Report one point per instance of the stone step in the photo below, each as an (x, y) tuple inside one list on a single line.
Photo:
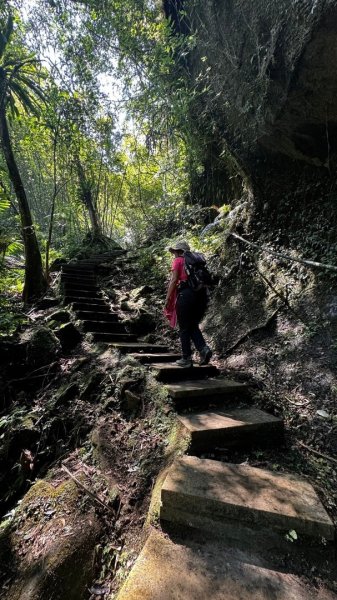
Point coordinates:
[(104, 326), (70, 299), (83, 294), (110, 253), (167, 569), (95, 315), (81, 270), (99, 258), (148, 358), (114, 337), (81, 276), (94, 263), (79, 282), (170, 372), (65, 277), (138, 347), (99, 306), (188, 393), (77, 287), (224, 428), (209, 495)]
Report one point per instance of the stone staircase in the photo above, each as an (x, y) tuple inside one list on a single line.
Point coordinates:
[(79, 286), (226, 523)]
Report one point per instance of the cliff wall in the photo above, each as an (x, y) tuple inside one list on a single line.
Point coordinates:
[(266, 114)]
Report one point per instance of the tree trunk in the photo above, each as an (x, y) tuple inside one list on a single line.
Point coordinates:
[(87, 199), (55, 192), (35, 281)]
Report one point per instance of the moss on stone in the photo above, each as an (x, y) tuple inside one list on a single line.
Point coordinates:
[(66, 492), (178, 442)]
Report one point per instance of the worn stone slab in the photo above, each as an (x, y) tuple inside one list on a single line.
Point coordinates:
[(113, 337), (198, 488), (96, 315), (149, 357), (83, 293), (232, 427), (78, 269), (221, 388), (74, 277), (138, 347), (98, 306), (104, 326), (171, 372), (70, 286), (93, 301), (166, 570)]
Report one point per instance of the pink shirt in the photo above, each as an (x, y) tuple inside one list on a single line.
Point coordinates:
[(178, 265)]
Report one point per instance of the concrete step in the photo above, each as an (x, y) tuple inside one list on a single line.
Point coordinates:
[(104, 326), (223, 428), (148, 358), (188, 393), (170, 372), (138, 347), (95, 315), (192, 569), (99, 306), (211, 495), (114, 337)]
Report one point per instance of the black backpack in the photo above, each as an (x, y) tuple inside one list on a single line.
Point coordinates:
[(198, 275)]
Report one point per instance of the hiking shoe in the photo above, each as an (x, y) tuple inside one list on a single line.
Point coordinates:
[(184, 362), (205, 355)]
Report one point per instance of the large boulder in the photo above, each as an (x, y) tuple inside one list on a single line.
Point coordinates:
[(48, 551), (69, 336), (42, 346)]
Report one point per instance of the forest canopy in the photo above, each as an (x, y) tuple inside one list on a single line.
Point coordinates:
[(93, 129)]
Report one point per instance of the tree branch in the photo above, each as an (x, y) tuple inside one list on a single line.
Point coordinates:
[(88, 492), (317, 452), (302, 261)]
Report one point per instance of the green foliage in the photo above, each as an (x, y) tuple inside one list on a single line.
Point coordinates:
[(133, 156), (19, 76), (11, 286)]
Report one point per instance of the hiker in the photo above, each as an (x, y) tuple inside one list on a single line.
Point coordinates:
[(188, 307)]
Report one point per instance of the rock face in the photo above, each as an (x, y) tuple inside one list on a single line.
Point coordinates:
[(55, 556), (266, 114)]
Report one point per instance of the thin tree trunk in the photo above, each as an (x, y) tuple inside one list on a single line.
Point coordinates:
[(55, 192), (87, 199), (35, 281)]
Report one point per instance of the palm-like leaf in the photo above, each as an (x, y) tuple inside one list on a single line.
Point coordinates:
[(19, 77)]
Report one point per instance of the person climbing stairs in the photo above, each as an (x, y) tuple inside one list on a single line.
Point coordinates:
[(224, 525)]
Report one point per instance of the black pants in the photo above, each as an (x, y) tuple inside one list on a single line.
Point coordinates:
[(191, 307)]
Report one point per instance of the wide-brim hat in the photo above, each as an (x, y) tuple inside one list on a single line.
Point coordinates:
[(182, 245)]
